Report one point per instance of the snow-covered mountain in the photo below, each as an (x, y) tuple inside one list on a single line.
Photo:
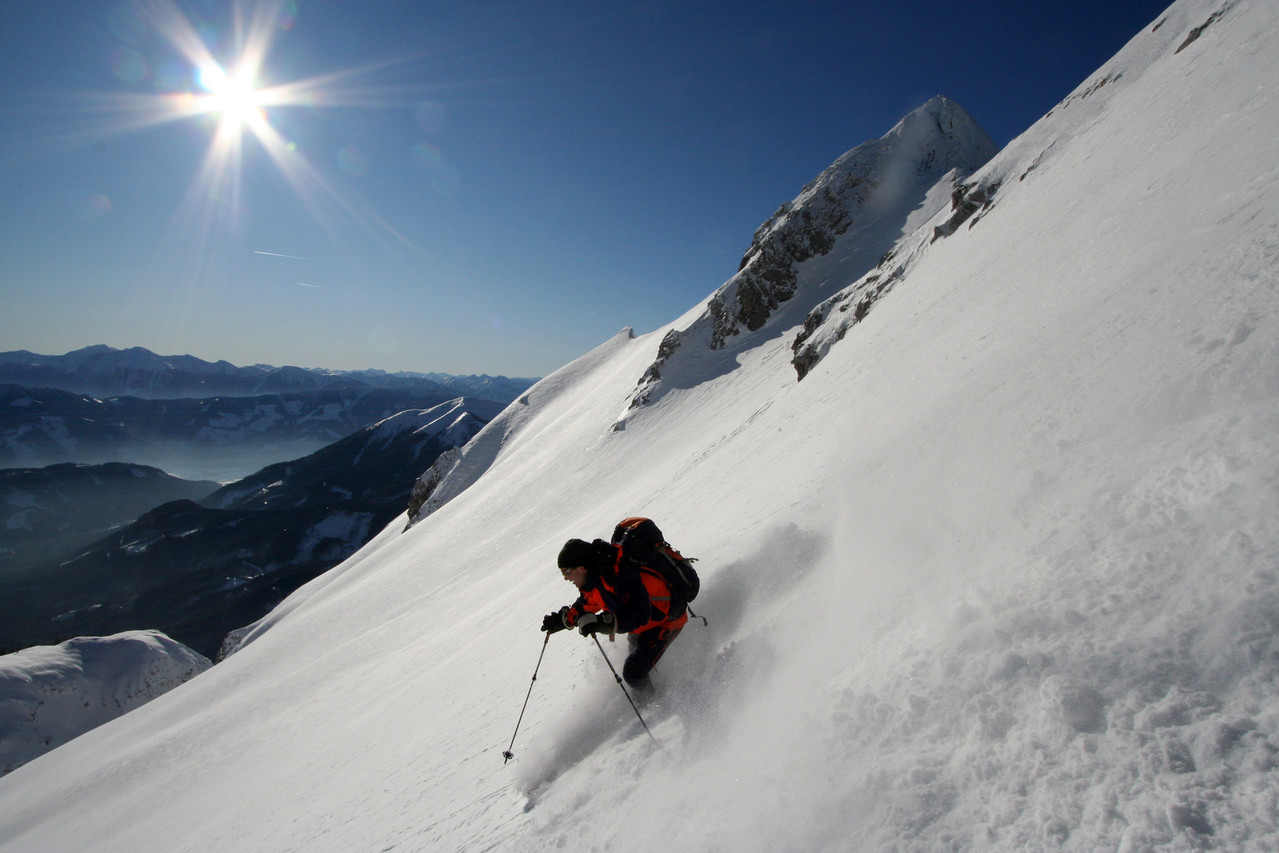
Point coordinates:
[(221, 438), (52, 694), (999, 573), (48, 512), (103, 371), (846, 220), (198, 571)]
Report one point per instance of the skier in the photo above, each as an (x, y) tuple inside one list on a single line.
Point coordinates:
[(618, 594)]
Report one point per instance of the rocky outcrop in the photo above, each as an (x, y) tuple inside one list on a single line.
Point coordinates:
[(860, 205), (965, 201), (850, 307), (798, 231), (430, 480)]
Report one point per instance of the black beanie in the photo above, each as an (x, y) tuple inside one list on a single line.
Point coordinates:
[(576, 553)]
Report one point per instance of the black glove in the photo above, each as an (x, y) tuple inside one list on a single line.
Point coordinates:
[(553, 622), (603, 623)]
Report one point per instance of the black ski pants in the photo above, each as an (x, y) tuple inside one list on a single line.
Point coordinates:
[(646, 649)]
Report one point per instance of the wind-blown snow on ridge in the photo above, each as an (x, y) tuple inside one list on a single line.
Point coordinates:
[(998, 574)]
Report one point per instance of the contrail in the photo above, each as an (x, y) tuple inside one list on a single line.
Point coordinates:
[(304, 284), (300, 258), (321, 261)]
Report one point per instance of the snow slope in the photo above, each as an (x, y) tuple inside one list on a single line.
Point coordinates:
[(1000, 573)]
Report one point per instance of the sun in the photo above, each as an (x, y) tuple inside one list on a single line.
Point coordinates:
[(234, 93), (234, 97)]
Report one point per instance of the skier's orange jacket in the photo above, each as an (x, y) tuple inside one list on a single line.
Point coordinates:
[(635, 594)]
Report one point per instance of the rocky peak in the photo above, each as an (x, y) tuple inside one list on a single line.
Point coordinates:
[(867, 194)]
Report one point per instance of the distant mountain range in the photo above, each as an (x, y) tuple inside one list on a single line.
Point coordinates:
[(221, 438), (52, 511), (199, 569), (103, 371), (96, 537)]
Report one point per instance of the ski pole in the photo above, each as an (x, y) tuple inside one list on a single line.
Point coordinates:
[(507, 755), (624, 690)]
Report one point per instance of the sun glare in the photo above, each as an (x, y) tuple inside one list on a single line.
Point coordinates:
[(233, 97), (233, 94)]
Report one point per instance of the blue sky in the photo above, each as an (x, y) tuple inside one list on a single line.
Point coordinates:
[(478, 187)]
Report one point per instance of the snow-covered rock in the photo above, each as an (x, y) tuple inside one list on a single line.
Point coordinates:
[(856, 210), (52, 694)]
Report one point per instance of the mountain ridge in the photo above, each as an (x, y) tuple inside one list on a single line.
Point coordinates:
[(856, 209), (218, 438), (202, 567), (49, 511), (103, 371)]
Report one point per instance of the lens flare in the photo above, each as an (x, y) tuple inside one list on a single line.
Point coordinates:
[(93, 206)]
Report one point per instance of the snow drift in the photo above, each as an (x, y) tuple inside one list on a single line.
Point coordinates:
[(998, 574)]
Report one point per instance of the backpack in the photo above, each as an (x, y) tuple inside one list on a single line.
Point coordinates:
[(642, 541)]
